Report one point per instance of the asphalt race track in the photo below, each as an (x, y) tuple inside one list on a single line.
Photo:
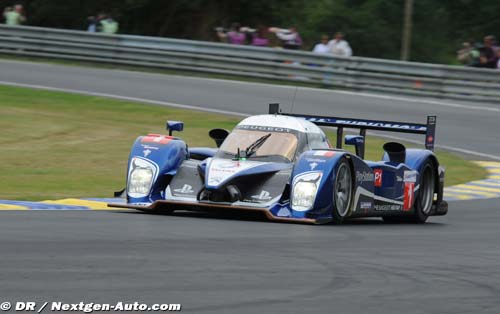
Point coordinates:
[(244, 264)]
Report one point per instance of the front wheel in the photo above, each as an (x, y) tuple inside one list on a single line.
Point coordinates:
[(342, 192)]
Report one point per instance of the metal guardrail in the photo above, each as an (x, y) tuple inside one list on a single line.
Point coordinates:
[(355, 73)]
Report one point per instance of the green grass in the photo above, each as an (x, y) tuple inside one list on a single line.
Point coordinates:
[(58, 145)]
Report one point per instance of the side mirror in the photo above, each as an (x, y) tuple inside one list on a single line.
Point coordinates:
[(218, 135), (174, 126), (358, 142)]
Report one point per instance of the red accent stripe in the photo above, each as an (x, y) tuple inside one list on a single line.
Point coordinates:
[(409, 192), (378, 177), (157, 138)]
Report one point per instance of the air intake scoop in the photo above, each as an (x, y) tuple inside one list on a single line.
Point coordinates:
[(396, 152)]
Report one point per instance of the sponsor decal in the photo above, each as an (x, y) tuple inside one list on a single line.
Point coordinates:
[(369, 123), (365, 205), (387, 207), (146, 152), (217, 175), (378, 177), (229, 165), (324, 153), (410, 176), (408, 196), (399, 179), (150, 147), (283, 212), (264, 128), (263, 196), (313, 165), (364, 176), (140, 204), (221, 170), (316, 160), (186, 189), (156, 138)]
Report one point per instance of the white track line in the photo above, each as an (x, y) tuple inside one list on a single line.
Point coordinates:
[(163, 103)]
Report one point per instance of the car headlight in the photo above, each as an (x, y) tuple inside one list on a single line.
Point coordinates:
[(305, 187), (140, 179)]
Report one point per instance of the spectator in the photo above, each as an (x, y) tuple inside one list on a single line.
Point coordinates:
[(322, 47), (468, 55), (260, 38), (14, 16), (498, 58), (109, 25), (6, 13), (235, 36), (92, 24), (290, 37), (487, 55), (339, 47), (493, 42)]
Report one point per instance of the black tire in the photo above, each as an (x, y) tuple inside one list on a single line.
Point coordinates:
[(342, 192), (425, 197)]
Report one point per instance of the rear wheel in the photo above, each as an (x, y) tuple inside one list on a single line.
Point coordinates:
[(423, 203), (342, 192)]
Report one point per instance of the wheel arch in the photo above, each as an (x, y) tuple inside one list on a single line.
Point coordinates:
[(417, 158)]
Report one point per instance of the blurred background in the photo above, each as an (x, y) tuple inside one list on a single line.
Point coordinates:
[(373, 28)]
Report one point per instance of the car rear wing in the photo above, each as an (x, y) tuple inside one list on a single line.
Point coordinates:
[(429, 129)]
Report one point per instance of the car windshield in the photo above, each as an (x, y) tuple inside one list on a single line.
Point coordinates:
[(275, 144)]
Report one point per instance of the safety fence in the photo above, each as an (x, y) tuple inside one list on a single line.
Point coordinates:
[(354, 73)]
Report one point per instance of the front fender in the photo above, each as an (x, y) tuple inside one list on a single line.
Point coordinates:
[(327, 162), (162, 153), (324, 162)]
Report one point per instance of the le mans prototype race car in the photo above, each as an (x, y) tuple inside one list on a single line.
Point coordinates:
[(284, 166)]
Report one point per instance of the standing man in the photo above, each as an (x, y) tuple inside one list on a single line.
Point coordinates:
[(109, 25), (235, 36), (322, 47), (92, 24), (14, 16), (260, 37), (290, 37), (488, 54), (339, 47)]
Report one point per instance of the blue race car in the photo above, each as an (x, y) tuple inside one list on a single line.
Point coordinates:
[(284, 166)]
